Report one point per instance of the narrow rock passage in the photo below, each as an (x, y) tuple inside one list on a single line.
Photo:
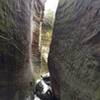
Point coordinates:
[(43, 89)]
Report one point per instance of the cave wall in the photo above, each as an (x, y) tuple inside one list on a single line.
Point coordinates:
[(16, 72), (74, 58)]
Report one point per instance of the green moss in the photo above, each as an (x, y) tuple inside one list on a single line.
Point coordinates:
[(98, 94)]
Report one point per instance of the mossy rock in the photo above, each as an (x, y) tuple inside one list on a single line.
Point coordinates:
[(98, 94)]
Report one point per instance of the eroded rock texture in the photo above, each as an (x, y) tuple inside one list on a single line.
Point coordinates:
[(38, 13), (15, 49), (74, 59)]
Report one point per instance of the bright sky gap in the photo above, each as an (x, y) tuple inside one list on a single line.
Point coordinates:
[(52, 5)]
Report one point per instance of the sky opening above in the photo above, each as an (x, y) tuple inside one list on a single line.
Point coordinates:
[(52, 5)]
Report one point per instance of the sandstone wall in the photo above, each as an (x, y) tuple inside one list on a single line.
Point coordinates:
[(74, 59)]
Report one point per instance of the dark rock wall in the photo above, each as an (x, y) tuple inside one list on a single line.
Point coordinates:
[(15, 49), (74, 58)]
